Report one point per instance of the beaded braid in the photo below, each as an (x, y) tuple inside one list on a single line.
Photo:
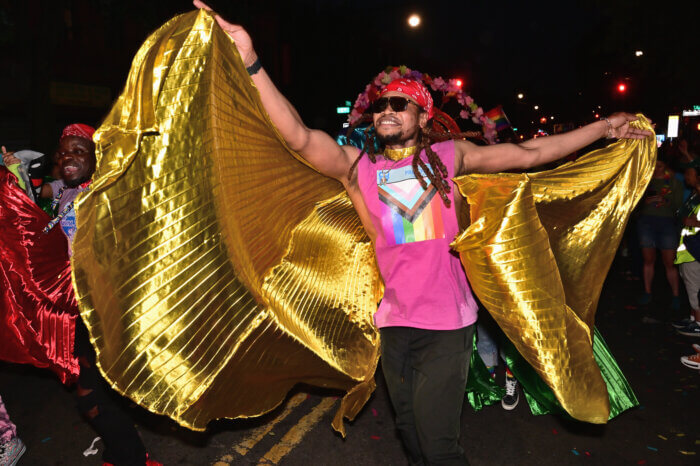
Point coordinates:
[(370, 138), (439, 181)]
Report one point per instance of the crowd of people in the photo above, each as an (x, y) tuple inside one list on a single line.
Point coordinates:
[(424, 352), (666, 226)]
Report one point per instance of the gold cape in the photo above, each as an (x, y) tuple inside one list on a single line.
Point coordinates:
[(213, 268), (538, 250)]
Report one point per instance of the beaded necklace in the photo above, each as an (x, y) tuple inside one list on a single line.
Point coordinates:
[(56, 201)]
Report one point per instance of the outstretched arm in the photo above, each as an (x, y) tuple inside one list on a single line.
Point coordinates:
[(539, 151), (317, 147)]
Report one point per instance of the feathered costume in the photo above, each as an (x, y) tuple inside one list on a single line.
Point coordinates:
[(215, 269)]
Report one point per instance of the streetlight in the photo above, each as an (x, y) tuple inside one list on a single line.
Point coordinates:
[(537, 107), (521, 95), (414, 20), (638, 53)]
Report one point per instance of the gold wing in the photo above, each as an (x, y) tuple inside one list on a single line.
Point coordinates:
[(213, 268), (537, 253)]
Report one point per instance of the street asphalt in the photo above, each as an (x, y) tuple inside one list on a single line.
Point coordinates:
[(663, 430)]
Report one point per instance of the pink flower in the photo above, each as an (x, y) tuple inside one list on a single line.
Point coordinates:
[(490, 135), (464, 114), (438, 84), (468, 100), (478, 112), (394, 75), (355, 115), (362, 101)]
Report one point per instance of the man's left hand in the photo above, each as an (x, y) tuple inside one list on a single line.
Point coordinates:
[(621, 128)]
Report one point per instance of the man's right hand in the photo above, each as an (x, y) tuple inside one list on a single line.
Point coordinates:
[(244, 43), (316, 147), (8, 158)]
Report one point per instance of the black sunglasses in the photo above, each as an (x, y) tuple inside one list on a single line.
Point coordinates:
[(398, 104)]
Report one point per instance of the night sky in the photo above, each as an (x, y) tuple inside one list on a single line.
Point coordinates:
[(566, 57)]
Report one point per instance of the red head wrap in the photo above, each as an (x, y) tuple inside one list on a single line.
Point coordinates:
[(78, 129), (413, 89)]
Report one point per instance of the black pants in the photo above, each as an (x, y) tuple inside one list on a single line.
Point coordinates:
[(123, 445), (426, 374)]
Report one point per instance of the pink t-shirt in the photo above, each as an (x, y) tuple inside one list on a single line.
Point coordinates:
[(425, 284)]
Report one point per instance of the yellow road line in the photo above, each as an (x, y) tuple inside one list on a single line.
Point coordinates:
[(258, 434), (292, 438)]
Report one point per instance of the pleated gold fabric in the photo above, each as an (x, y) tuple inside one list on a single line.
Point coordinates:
[(537, 251), (214, 269)]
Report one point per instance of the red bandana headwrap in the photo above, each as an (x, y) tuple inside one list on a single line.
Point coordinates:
[(414, 89), (78, 129)]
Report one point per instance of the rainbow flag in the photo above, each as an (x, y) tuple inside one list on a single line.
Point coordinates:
[(498, 116)]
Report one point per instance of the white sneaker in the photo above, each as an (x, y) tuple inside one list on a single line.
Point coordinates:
[(511, 398)]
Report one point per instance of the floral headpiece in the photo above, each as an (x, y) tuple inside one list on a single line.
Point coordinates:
[(449, 90)]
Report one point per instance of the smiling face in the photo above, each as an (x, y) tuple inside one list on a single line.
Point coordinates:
[(399, 129), (76, 160)]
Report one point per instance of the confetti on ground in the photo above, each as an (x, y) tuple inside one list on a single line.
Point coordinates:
[(588, 453), (697, 442), (45, 439), (92, 449), (662, 437), (687, 453), (575, 452), (652, 448), (375, 437), (642, 462), (554, 431), (374, 412), (680, 435)]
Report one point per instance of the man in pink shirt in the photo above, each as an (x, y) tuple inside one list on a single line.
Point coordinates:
[(405, 200)]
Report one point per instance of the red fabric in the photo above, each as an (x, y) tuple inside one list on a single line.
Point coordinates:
[(415, 90), (38, 310), (78, 129)]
